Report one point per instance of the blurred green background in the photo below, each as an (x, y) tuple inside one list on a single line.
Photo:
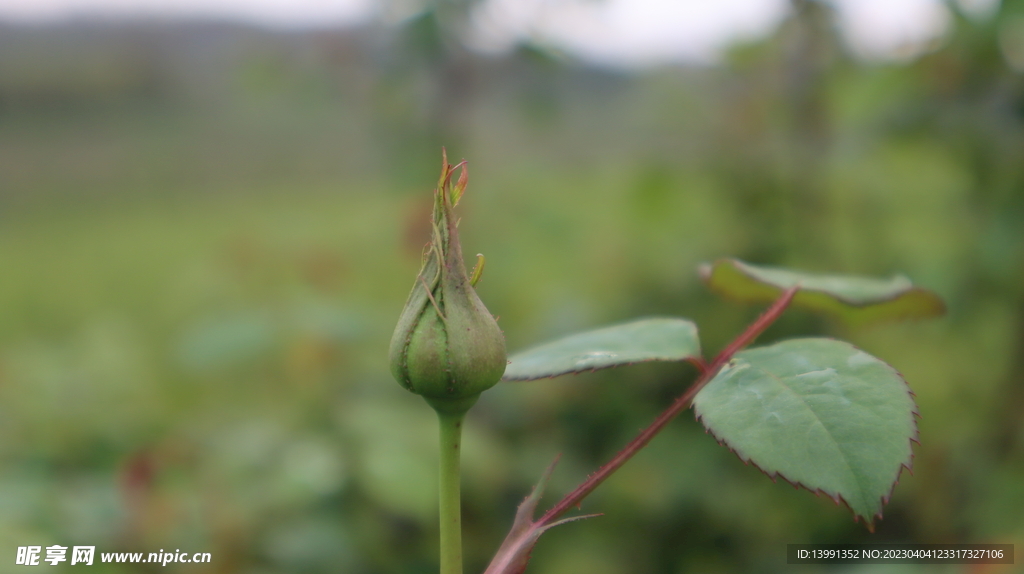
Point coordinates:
[(208, 230)]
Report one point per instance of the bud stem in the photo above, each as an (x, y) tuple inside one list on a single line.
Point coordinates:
[(451, 511)]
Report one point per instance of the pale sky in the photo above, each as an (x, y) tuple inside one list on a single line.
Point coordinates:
[(616, 32)]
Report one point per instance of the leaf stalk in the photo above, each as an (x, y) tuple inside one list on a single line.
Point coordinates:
[(574, 498)]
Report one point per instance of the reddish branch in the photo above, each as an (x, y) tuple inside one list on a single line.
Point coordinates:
[(575, 497)]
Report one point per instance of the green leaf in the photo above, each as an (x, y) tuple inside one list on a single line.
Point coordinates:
[(653, 339), (854, 300), (818, 412)]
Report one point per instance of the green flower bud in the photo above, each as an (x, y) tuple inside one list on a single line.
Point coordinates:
[(447, 347)]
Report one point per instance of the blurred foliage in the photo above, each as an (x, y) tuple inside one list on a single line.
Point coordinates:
[(207, 233)]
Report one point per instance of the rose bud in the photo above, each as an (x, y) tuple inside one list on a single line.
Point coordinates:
[(446, 347)]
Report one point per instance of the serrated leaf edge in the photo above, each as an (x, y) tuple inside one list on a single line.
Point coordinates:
[(836, 497), (692, 359), (706, 270), (595, 369)]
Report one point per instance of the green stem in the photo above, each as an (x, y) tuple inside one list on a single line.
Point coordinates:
[(451, 511)]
